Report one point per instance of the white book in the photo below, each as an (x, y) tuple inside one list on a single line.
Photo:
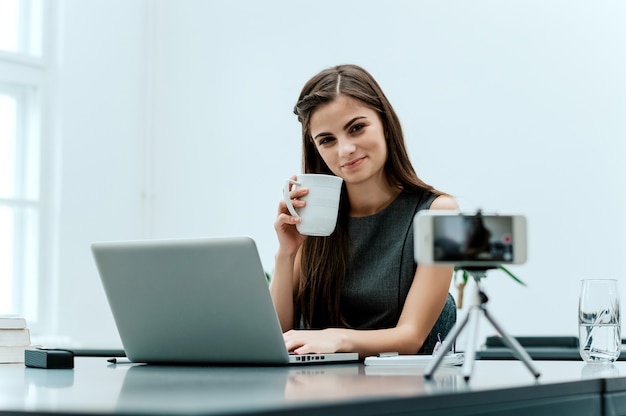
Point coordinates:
[(12, 322), (14, 337), (10, 355), (413, 360)]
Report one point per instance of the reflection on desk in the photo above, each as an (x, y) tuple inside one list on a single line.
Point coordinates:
[(265, 388)]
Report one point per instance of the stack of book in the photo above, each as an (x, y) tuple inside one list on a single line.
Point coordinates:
[(14, 339)]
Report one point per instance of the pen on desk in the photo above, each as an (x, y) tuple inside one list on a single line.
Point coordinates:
[(387, 354), (121, 360)]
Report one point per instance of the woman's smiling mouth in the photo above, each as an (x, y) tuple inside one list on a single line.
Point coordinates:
[(353, 163)]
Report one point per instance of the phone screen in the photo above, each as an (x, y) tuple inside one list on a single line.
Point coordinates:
[(467, 238)]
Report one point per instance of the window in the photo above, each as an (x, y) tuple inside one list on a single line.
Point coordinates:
[(23, 81), (20, 26), (19, 198)]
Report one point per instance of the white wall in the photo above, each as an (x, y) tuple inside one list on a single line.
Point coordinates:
[(101, 103), (512, 106)]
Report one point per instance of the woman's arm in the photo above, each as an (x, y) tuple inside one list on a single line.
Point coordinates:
[(283, 285), (285, 278)]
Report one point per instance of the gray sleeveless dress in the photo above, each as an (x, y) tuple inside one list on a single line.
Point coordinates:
[(382, 267)]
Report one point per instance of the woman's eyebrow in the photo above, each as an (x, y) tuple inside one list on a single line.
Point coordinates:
[(345, 127), (349, 123), (322, 135)]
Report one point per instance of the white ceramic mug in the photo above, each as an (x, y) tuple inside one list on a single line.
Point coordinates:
[(319, 216)]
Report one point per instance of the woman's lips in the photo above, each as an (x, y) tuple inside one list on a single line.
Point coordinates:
[(353, 163)]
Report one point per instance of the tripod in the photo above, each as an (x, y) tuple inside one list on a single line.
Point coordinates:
[(477, 308)]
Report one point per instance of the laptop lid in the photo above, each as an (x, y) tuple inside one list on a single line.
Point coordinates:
[(194, 301)]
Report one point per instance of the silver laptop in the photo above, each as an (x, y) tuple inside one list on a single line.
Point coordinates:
[(195, 301)]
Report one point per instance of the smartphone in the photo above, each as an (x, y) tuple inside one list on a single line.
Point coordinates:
[(469, 239)]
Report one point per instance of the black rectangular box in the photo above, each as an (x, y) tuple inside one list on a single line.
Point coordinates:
[(42, 358)]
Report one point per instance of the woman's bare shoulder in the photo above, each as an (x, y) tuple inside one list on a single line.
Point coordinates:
[(445, 202)]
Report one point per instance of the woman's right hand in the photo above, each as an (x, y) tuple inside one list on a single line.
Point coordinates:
[(289, 238)]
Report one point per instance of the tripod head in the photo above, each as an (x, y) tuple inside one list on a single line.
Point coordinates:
[(477, 272)]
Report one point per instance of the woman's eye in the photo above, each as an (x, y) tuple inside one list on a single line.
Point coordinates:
[(325, 140), (357, 127)]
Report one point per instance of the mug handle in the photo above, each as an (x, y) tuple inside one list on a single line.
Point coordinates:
[(286, 195)]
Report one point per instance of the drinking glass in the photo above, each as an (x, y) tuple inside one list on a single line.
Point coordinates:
[(599, 323)]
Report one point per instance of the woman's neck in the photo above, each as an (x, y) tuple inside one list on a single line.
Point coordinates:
[(368, 199)]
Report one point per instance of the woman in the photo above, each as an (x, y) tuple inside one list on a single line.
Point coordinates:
[(359, 289)]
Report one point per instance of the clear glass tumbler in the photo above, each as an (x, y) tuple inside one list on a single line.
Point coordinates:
[(599, 323)]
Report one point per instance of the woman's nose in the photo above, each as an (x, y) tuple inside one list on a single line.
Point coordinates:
[(346, 147)]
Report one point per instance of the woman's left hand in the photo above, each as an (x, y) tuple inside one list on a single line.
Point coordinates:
[(316, 341)]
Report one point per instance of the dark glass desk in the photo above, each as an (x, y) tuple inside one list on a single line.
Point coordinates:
[(496, 387)]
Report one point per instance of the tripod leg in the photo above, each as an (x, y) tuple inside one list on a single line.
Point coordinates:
[(470, 352), (514, 345), (446, 346)]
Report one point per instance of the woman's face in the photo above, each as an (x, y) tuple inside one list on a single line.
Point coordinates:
[(350, 138)]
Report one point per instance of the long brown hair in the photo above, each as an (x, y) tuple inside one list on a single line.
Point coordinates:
[(324, 259)]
